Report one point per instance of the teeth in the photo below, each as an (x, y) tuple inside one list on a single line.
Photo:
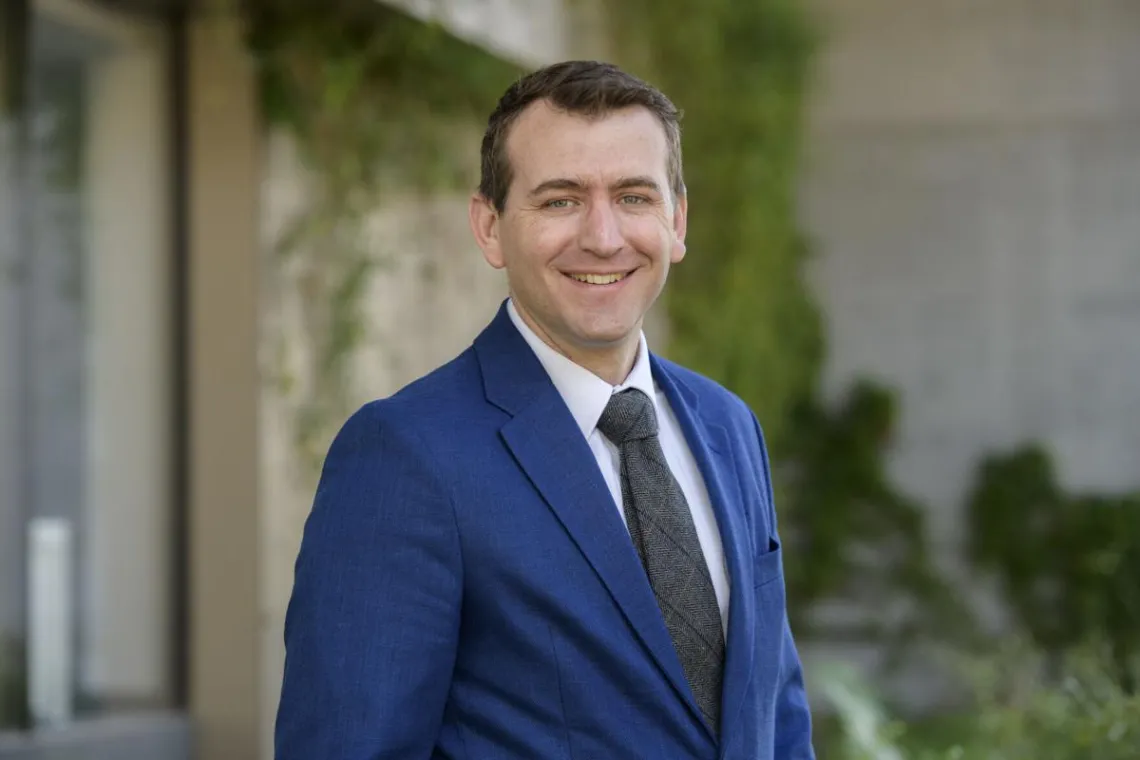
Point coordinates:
[(598, 279)]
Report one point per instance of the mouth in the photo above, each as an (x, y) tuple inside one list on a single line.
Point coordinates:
[(598, 279)]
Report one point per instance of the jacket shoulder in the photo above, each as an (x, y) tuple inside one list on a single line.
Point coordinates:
[(715, 399), (430, 402)]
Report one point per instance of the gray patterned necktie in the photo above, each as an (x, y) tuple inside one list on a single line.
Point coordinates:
[(663, 532)]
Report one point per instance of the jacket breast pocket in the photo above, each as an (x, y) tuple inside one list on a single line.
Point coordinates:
[(768, 566)]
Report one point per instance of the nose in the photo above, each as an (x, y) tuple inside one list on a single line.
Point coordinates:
[(600, 232)]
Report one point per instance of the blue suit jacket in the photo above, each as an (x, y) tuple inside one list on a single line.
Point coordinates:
[(466, 588)]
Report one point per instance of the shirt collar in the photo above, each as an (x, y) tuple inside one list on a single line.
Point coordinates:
[(585, 394)]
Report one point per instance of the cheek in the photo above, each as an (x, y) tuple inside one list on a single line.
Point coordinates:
[(542, 240), (650, 236)]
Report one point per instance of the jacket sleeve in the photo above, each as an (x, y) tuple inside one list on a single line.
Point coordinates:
[(793, 739), (372, 624)]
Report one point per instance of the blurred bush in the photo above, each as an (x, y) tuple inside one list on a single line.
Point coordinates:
[(864, 730), (851, 534), (1068, 565), (1026, 706), (1034, 707)]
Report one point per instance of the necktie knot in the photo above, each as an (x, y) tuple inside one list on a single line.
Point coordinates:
[(628, 416)]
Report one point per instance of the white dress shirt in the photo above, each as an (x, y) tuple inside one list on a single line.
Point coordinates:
[(587, 395)]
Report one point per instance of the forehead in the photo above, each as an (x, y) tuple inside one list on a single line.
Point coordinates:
[(547, 142)]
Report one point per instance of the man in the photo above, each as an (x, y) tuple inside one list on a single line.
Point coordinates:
[(558, 545)]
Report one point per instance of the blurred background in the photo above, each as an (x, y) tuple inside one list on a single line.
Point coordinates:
[(914, 250)]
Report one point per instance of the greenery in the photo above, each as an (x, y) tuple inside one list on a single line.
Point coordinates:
[(1067, 564), (13, 692), (740, 310), (738, 307), (1023, 706), (1081, 714), (380, 105), (851, 534)]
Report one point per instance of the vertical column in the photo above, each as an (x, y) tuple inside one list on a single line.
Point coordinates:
[(224, 167), (127, 605)]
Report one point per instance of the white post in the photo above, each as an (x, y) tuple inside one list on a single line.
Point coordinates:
[(51, 627)]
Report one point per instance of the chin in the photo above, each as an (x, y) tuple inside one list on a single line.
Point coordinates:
[(606, 335)]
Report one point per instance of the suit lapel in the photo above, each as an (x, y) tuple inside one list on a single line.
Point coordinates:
[(550, 449), (709, 443)]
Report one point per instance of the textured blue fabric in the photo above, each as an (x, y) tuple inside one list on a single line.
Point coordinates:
[(465, 588)]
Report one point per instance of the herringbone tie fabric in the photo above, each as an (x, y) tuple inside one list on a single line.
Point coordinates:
[(663, 532)]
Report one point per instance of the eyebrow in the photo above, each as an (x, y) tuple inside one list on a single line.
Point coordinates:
[(625, 183)]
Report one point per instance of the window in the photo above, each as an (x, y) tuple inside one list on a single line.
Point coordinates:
[(85, 372)]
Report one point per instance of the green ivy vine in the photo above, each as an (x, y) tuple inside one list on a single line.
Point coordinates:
[(738, 307), (741, 312), (378, 103)]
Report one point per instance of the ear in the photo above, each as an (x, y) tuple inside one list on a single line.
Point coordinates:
[(484, 220), (680, 227)]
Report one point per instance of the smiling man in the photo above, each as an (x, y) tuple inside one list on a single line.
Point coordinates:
[(558, 545)]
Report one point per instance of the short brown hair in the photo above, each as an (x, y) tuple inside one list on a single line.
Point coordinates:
[(586, 88)]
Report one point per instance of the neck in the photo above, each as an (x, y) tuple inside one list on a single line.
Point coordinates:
[(611, 362)]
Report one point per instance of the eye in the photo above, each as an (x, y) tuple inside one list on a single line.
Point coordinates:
[(634, 199), (558, 203)]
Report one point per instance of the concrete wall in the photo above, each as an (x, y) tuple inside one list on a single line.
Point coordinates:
[(432, 293), (973, 190), (526, 31), (521, 30)]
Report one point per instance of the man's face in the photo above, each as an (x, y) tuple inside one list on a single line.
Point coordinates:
[(590, 225)]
